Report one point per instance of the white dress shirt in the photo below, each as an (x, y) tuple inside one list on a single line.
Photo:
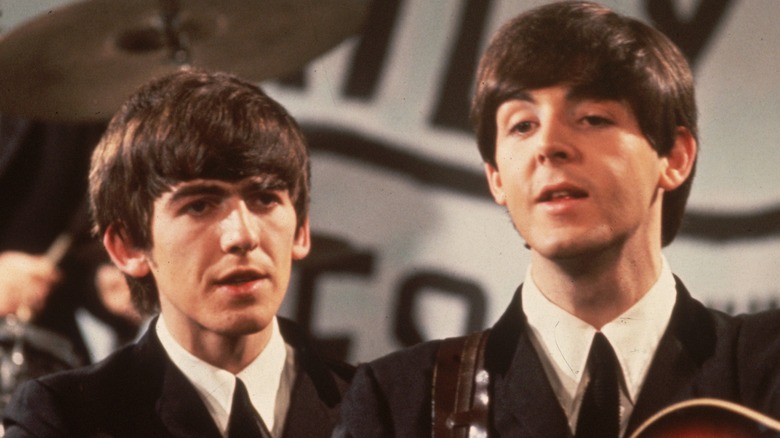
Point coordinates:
[(563, 342), (215, 385)]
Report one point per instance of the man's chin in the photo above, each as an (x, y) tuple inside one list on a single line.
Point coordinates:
[(245, 326), (568, 250)]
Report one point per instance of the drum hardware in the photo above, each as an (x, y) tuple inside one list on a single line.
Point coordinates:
[(80, 62), (27, 351), (11, 362)]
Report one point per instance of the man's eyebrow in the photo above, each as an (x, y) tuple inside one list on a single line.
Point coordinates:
[(582, 93), (266, 183), (196, 190), (523, 95)]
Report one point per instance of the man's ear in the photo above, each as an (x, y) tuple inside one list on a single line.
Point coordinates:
[(495, 183), (679, 161), (126, 256), (302, 241)]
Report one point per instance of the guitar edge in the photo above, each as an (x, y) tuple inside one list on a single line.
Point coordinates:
[(708, 418)]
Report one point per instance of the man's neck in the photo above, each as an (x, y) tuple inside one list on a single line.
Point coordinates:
[(600, 287), (230, 353)]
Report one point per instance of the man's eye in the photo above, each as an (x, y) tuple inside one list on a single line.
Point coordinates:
[(597, 121), (267, 199), (523, 127), (197, 208)]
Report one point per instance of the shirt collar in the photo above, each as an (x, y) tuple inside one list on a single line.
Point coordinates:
[(565, 339), (216, 386)]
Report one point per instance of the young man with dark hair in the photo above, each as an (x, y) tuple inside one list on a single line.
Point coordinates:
[(200, 192), (586, 122)]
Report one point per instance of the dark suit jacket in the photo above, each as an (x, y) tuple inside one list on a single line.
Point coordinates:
[(139, 392), (702, 353)]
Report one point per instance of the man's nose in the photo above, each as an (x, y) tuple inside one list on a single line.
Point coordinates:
[(556, 144), (240, 230)]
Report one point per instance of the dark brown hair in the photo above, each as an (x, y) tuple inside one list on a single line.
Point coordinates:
[(600, 54)]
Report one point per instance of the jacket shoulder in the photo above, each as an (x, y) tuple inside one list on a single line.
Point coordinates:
[(102, 377), (391, 395), (76, 400), (418, 360)]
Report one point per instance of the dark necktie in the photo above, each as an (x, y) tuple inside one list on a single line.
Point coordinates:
[(599, 414), (244, 421)]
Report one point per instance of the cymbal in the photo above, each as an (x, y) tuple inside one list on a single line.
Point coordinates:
[(81, 61)]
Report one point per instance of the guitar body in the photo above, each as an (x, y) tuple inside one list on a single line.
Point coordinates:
[(708, 418)]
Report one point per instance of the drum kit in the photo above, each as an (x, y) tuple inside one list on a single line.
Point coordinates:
[(79, 62), (26, 352)]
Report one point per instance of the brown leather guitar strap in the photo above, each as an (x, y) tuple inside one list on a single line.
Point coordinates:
[(460, 387)]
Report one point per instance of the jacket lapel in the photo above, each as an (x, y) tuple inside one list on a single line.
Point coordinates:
[(181, 409), (687, 343), (524, 403), (316, 394), (177, 405), (308, 416)]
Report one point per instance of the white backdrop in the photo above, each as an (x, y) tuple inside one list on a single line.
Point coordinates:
[(410, 245)]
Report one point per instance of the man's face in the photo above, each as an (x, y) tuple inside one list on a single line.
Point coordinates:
[(222, 253), (577, 175)]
